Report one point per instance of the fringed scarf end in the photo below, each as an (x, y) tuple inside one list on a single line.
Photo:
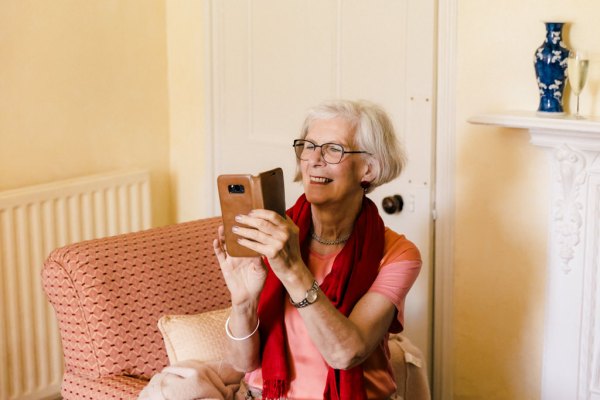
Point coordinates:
[(274, 389)]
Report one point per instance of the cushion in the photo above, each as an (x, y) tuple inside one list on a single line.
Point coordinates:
[(195, 337), (409, 369)]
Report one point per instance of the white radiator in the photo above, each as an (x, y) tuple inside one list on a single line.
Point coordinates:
[(34, 221)]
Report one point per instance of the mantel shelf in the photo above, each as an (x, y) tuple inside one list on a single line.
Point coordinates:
[(590, 126)]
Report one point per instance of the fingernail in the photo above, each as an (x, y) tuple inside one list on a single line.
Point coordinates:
[(235, 229), (238, 218)]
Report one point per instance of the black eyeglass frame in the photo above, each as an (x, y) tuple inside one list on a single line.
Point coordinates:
[(344, 151)]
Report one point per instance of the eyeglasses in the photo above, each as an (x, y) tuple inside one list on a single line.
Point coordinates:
[(332, 153)]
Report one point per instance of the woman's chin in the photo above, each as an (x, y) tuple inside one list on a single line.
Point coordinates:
[(316, 196), (313, 199)]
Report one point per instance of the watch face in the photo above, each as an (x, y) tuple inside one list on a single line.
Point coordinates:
[(311, 296)]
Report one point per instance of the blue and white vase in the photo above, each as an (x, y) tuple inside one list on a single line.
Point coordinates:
[(550, 69)]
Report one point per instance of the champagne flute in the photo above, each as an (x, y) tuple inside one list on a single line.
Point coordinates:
[(577, 68)]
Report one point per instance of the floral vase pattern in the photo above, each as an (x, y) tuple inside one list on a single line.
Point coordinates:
[(550, 69)]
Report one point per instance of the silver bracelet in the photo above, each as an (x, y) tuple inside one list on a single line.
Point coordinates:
[(230, 335)]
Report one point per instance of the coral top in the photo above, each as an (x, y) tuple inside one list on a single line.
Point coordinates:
[(398, 271)]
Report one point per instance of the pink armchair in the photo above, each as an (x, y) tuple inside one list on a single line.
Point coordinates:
[(109, 293)]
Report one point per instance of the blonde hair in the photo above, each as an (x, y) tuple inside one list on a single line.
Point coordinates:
[(373, 132)]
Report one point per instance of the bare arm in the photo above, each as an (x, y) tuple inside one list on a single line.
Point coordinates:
[(347, 342), (245, 278), (244, 355), (343, 342)]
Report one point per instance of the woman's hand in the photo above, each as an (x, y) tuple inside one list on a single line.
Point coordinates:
[(244, 276), (273, 236)]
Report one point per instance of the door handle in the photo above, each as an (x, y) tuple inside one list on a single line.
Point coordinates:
[(392, 204)]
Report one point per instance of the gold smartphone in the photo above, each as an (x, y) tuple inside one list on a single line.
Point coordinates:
[(241, 193)]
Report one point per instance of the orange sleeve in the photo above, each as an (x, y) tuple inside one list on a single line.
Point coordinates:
[(398, 248)]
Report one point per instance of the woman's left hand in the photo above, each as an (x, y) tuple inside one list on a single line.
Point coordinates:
[(273, 236)]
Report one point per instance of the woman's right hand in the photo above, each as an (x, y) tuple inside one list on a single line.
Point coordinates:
[(244, 276)]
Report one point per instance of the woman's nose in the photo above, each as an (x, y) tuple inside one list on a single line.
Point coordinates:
[(317, 155)]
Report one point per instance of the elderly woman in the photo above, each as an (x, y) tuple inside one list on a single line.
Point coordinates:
[(310, 319)]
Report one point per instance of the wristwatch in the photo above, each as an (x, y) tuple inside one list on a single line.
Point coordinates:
[(311, 296)]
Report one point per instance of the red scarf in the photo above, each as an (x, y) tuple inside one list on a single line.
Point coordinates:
[(354, 270)]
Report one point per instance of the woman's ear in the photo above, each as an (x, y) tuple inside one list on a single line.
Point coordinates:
[(369, 171)]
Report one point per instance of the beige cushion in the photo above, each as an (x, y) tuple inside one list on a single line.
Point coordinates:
[(194, 337), (409, 369)]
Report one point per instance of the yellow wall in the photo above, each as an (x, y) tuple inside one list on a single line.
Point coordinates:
[(185, 38), (502, 194), (83, 89)]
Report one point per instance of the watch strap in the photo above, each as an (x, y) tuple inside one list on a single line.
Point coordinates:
[(306, 301)]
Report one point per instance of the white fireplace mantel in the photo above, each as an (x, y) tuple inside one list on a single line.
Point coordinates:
[(571, 357)]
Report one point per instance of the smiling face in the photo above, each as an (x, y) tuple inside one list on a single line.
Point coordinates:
[(333, 184)]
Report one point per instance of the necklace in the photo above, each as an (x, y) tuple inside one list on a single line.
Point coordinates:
[(326, 242)]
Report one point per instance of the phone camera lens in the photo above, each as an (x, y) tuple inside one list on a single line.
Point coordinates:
[(236, 188)]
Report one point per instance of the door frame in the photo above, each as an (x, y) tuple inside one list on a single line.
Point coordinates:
[(444, 183), (445, 160)]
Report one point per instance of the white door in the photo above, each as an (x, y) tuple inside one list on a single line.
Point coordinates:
[(271, 60)]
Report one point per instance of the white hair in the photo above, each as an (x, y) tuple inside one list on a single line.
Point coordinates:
[(373, 133)]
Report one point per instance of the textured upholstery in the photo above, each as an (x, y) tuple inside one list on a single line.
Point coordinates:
[(109, 293), (109, 387), (195, 336)]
